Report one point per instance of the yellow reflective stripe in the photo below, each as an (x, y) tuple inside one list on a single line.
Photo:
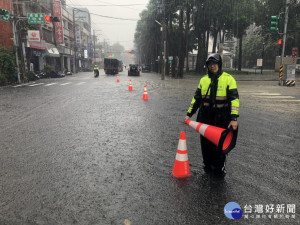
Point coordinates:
[(191, 106), (235, 105)]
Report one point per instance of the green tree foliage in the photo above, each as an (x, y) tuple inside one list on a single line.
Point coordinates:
[(217, 20), (7, 66), (148, 34)]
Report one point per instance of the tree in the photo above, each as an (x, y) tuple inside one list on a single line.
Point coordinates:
[(7, 66)]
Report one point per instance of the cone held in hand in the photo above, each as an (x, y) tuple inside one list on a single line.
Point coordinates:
[(181, 167), (145, 95), (224, 139), (130, 86)]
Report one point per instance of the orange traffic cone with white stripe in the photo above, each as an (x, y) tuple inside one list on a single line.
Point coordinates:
[(181, 167), (145, 95), (118, 80), (130, 86), (224, 139)]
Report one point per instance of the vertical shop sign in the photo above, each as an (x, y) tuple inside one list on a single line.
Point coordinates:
[(59, 32)]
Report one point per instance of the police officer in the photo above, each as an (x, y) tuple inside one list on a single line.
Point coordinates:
[(218, 101), (96, 71)]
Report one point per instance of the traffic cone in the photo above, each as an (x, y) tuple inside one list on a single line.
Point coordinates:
[(145, 95), (224, 139), (181, 167), (130, 86), (118, 80)]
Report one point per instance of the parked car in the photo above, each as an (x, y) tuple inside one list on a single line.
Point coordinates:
[(146, 68), (133, 70)]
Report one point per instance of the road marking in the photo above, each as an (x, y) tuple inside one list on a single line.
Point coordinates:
[(20, 85), (265, 93), (32, 85), (248, 92), (50, 84), (81, 83), (127, 222), (66, 83), (274, 97), (288, 100)]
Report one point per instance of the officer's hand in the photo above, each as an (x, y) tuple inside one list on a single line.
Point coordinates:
[(186, 118), (233, 124)]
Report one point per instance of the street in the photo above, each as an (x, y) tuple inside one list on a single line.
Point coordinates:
[(85, 150)]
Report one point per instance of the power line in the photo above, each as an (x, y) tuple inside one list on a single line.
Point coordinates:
[(116, 5), (111, 17), (116, 18), (110, 5)]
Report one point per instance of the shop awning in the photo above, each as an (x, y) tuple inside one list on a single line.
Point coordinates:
[(51, 50), (37, 45)]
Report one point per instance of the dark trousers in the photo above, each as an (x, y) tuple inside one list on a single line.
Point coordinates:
[(213, 158)]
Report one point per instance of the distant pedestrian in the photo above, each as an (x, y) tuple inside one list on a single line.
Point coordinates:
[(218, 101)]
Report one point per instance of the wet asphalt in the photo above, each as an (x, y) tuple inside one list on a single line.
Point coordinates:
[(85, 150)]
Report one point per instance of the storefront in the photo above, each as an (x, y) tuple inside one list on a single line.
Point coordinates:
[(52, 57)]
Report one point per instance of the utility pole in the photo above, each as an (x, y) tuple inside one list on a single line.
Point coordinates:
[(94, 48), (164, 32), (75, 43), (15, 46), (14, 24), (284, 35)]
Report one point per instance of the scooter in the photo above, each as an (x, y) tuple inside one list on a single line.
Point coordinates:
[(96, 73)]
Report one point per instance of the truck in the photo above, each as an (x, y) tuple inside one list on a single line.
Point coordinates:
[(111, 66), (120, 66)]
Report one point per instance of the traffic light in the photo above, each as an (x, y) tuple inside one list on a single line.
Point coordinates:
[(279, 42), (3, 12), (51, 19), (274, 23)]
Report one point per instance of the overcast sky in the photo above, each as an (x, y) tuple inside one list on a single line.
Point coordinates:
[(113, 30)]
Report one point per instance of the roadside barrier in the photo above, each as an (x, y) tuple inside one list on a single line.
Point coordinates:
[(145, 95), (224, 139), (130, 86)]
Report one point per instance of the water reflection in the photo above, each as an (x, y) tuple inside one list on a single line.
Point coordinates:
[(202, 196)]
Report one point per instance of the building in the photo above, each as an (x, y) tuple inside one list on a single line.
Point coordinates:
[(6, 33), (40, 44), (83, 39)]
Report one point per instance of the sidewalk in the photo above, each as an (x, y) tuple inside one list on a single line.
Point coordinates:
[(266, 76)]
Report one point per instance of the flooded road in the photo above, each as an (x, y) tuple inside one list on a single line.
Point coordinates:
[(80, 150)]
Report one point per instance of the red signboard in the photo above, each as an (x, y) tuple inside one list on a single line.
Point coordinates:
[(34, 35), (59, 31), (294, 52)]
